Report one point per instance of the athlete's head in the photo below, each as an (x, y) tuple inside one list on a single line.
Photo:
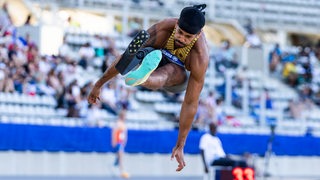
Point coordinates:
[(189, 25)]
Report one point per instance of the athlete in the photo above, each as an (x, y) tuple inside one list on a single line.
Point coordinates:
[(176, 60), (119, 140)]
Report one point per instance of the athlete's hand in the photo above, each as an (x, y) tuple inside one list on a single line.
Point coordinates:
[(177, 153), (94, 95)]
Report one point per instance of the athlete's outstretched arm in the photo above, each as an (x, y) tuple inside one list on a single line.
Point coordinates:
[(188, 111), (110, 73), (190, 104)]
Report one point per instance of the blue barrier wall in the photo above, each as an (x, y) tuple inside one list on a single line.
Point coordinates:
[(84, 139)]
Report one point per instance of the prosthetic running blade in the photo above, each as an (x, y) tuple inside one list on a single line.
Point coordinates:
[(129, 60)]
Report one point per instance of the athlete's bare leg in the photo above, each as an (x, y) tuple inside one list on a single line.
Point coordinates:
[(165, 76)]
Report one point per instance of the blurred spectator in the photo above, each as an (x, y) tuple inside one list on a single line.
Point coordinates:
[(288, 57), (134, 26), (275, 57), (109, 98), (305, 92), (136, 1), (6, 81), (44, 64), (64, 49), (87, 54), (54, 82), (6, 25), (13, 52), (306, 70), (25, 42), (123, 95), (61, 101), (119, 141), (3, 75), (212, 152), (110, 47), (309, 131), (83, 105), (32, 53), (20, 77), (98, 45), (28, 20), (105, 64), (202, 117), (253, 40), (269, 101), (226, 57), (210, 147), (220, 114), (248, 26), (294, 109), (73, 97), (72, 23), (290, 74), (211, 106), (24, 70), (3, 52)]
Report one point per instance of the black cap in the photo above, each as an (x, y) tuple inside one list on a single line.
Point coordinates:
[(192, 19)]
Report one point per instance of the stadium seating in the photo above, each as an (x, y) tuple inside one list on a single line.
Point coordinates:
[(22, 108)]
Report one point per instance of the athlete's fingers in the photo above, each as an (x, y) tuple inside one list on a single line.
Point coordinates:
[(173, 154), (181, 162)]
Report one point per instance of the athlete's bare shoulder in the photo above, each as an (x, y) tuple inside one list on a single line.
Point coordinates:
[(201, 46), (199, 54), (160, 32)]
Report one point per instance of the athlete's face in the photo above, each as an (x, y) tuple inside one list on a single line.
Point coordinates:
[(182, 38)]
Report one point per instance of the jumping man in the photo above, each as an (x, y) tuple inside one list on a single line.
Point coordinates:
[(176, 58)]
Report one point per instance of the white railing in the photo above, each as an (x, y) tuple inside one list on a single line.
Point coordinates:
[(276, 14), (264, 13)]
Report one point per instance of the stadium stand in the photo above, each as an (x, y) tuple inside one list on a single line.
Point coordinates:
[(256, 83), (84, 52)]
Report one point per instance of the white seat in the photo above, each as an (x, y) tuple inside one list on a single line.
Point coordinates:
[(2, 108), (151, 96), (9, 109), (24, 99), (165, 107), (16, 109), (15, 98), (5, 119), (2, 97), (30, 110)]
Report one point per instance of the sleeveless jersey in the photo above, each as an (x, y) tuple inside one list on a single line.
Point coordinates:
[(181, 53)]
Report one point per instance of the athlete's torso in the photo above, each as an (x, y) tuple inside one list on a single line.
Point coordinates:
[(163, 31)]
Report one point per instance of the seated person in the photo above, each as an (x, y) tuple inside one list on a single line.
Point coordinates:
[(212, 152)]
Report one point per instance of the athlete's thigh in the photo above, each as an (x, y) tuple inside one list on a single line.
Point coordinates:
[(176, 74)]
